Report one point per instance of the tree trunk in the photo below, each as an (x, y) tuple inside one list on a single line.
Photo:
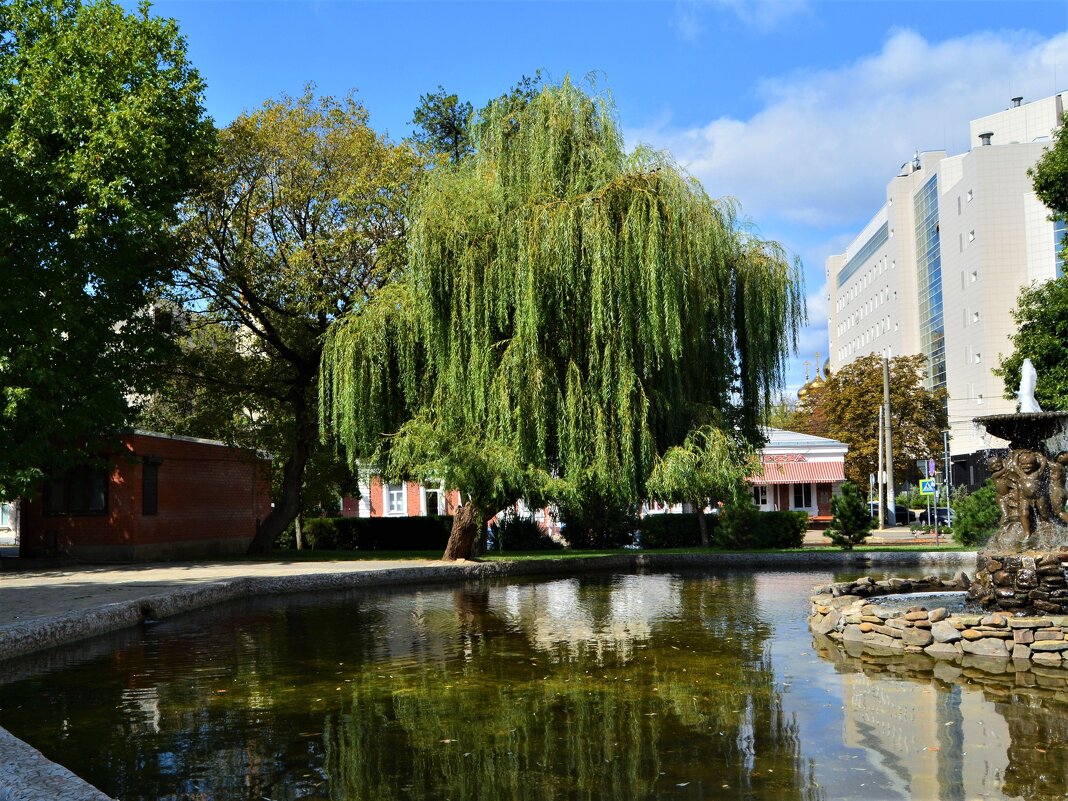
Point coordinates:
[(467, 524), (702, 524), (287, 507), (300, 533)]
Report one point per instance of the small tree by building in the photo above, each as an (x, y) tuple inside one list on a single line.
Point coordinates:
[(977, 516), (852, 520)]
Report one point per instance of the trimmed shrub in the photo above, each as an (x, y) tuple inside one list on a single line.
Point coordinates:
[(747, 528), (520, 533), (377, 533), (674, 530)]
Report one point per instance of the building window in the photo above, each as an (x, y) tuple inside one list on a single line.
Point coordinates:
[(760, 495), (394, 499), (802, 496), (7, 515), (78, 491), (150, 485)]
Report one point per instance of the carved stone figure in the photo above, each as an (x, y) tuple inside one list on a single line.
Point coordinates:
[(1058, 493)]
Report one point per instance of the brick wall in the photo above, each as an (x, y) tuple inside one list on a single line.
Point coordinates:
[(210, 499)]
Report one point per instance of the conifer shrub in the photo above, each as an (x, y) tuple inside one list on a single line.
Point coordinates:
[(851, 522)]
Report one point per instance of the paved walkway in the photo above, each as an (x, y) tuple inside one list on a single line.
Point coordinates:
[(29, 594)]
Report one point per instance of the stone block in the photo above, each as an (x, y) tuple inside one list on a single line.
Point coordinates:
[(827, 623), (888, 631), (853, 633), (1029, 622), (842, 601), (988, 646), (937, 614), (898, 623), (884, 640), (917, 615), (918, 637), (1050, 633), (995, 620), (1023, 636), (1046, 658), (942, 650), (1049, 646), (945, 632), (1021, 652)]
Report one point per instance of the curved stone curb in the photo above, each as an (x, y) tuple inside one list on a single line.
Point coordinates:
[(26, 775)]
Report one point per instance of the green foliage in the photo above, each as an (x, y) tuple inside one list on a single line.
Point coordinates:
[(743, 527), (846, 408), (377, 533), (513, 532), (299, 221), (709, 465), (568, 304), (673, 530), (596, 516), (1041, 317), (442, 126), (102, 133), (977, 516), (1050, 177), (851, 522)]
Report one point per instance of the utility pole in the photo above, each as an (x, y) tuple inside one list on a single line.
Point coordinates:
[(880, 476), (891, 510), (949, 467)]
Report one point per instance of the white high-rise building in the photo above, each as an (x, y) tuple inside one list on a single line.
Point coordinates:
[(939, 267)]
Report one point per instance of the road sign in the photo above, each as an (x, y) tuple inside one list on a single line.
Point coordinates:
[(928, 487), (931, 467)]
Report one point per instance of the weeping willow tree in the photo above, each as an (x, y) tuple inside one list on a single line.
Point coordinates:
[(570, 311)]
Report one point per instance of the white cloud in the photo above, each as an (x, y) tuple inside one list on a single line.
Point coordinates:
[(826, 142)]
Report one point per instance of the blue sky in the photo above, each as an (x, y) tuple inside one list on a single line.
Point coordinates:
[(800, 110)]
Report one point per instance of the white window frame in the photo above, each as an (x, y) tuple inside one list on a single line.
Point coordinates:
[(760, 495), (388, 491)]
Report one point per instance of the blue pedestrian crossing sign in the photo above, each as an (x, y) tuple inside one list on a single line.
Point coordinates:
[(928, 486)]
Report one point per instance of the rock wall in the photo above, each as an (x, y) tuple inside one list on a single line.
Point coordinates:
[(1032, 583), (844, 613)]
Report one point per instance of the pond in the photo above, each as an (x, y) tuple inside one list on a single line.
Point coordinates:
[(675, 686)]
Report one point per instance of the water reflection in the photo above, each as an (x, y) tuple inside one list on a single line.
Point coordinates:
[(972, 728), (595, 688)]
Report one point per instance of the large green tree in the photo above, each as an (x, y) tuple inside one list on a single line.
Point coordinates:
[(846, 408), (570, 311), (1050, 177), (1041, 317), (102, 133), (300, 221)]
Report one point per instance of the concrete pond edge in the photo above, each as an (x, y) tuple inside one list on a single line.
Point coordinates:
[(27, 775)]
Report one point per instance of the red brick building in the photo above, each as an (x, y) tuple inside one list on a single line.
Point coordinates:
[(163, 497)]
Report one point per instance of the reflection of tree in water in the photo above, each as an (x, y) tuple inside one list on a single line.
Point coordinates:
[(1031, 700), (682, 713)]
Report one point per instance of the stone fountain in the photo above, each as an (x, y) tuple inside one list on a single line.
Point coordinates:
[(1022, 568)]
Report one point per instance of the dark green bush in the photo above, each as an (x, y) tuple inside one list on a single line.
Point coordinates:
[(377, 533), (674, 530), (520, 533), (747, 528), (977, 516), (598, 519), (852, 521)]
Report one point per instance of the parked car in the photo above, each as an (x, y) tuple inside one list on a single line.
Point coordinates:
[(942, 514), (903, 515)]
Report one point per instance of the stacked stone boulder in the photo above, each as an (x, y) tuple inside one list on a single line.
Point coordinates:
[(1023, 582), (844, 613)]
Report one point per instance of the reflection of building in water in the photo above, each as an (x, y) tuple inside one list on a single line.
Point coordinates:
[(556, 614), (928, 743)]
